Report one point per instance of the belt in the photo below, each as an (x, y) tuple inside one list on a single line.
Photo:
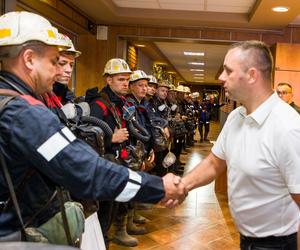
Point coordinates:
[(275, 239)]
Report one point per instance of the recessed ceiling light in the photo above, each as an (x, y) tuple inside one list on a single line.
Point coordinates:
[(141, 45), (196, 63), (199, 74), (190, 53), (199, 81), (196, 69), (280, 9), (198, 77)]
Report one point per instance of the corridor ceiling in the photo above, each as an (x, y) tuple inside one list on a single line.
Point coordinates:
[(240, 14)]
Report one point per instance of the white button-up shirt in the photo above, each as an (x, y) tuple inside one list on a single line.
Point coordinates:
[(262, 152)]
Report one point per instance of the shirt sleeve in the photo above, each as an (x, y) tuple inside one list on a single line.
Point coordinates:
[(289, 159), (218, 148)]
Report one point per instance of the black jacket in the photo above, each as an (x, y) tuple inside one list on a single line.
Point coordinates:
[(99, 102)]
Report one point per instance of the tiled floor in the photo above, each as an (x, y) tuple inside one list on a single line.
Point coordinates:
[(202, 222)]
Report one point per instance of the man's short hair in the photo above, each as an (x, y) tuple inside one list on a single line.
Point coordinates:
[(258, 55), (285, 84), (12, 51)]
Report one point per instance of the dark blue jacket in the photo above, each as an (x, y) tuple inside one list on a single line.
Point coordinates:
[(39, 147), (143, 116), (100, 110)]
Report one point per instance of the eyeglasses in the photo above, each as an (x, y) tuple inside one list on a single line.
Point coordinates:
[(283, 92)]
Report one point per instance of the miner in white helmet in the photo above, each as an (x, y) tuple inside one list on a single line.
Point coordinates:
[(65, 66)]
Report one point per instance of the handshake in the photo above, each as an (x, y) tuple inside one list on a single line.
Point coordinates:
[(175, 190)]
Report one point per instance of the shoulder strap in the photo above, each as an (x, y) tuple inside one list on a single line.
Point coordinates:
[(10, 94), (17, 90), (11, 187), (112, 108)]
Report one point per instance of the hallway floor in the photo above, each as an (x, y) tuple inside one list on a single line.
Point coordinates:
[(201, 222)]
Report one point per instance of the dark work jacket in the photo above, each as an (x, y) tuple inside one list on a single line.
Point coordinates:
[(142, 116), (100, 110), (156, 103), (29, 140), (63, 93)]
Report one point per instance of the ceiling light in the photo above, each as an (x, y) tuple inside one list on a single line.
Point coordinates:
[(141, 45), (280, 9), (189, 53), (196, 63), (199, 77), (199, 74), (199, 81), (196, 69)]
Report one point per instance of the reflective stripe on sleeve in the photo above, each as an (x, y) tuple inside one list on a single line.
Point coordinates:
[(132, 187), (68, 133), (50, 148)]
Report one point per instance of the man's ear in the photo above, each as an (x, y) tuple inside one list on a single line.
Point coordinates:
[(28, 57), (253, 75), (109, 80)]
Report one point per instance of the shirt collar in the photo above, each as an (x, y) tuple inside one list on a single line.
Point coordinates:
[(262, 112)]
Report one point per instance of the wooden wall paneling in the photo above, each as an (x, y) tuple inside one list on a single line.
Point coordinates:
[(281, 37), (90, 64), (62, 7), (112, 42), (242, 36), (291, 77), (54, 15), (128, 30), (295, 35), (215, 34), (287, 57), (186, 33), (154, 32)]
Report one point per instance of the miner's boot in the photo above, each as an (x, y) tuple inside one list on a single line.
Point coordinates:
[(132, 228), (121, 236)]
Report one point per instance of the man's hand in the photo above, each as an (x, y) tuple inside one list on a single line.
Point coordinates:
[(149, 162), (120, 135), (175, 191), (167, 132)]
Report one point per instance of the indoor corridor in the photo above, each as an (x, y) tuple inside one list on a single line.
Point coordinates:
[(202, 222)]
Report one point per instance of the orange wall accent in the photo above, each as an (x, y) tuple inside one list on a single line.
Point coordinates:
[(287, 67)]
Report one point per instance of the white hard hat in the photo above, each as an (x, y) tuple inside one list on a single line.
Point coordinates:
[(19, 27), (138, 75), (172, 87), (180, 88), (164, 83), (152, 79), (70, 50), (116, 66), (187, 89), (195, 95)]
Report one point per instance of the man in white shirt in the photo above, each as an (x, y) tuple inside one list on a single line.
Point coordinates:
[(259, 149)]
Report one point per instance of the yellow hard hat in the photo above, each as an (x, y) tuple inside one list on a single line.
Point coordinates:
[(116, 66), (70, 50), (138, 75), (19, 27)]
